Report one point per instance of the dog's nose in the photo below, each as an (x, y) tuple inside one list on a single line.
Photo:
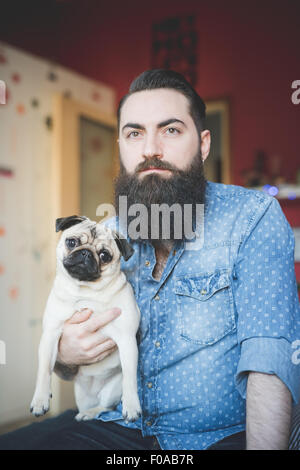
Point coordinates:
[(86, 254)]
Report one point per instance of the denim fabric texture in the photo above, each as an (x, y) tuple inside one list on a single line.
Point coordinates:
[(222, 308)]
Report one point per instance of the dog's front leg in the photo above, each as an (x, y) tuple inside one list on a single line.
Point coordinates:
[(47, 356), (128, 352)]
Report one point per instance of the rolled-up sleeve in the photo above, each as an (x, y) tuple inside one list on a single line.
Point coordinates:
[(266, 300), (270, 356)]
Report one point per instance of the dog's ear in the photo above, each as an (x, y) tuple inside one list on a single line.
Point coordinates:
[(125, 248), (65, 222)]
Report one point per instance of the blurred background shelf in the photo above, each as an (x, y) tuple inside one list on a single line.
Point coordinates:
[(290, 192)]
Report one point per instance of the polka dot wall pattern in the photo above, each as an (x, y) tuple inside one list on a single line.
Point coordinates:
[(26, 216)]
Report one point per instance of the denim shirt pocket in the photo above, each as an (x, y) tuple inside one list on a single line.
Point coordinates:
[(205, 306)]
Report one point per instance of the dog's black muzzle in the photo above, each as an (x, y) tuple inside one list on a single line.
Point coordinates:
[(82, 265)]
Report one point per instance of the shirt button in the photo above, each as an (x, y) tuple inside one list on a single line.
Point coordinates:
[(203, 292), (148, 423), (157, 344), (147, 263), (156, 297), (149, 384)]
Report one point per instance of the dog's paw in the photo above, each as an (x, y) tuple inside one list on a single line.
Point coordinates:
[(84, 416), (131, 409), (40, 405), (91, 413)]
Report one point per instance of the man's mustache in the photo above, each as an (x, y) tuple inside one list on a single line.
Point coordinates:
[(154, 162)]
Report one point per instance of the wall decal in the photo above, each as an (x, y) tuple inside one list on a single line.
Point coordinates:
[(36, 255), (52, 77), (20, 109), (35, 103), (49, 122), (3, 59), (16, 78), (13, 292), (6, 172)]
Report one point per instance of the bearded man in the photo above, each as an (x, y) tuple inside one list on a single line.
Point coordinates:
[(219, 312)]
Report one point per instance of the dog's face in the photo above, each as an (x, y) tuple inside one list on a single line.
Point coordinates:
[(88, 250)]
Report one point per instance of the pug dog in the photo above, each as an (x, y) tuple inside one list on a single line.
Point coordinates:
[(88, 275)]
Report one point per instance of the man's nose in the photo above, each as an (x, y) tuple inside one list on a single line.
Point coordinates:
[(152, 147)]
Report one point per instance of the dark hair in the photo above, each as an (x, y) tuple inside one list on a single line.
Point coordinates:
[(160, 78)]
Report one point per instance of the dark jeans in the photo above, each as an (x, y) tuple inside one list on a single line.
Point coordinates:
[(64, 433), (234, 442)]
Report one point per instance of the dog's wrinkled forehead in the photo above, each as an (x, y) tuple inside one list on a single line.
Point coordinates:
[(87, 226), (89, 232)]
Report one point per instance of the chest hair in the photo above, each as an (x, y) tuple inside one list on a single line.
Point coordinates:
[(161, 254)]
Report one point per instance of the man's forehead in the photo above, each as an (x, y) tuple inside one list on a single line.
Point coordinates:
[(158, 104)]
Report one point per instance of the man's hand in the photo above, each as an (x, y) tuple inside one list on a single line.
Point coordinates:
[(82, 341)]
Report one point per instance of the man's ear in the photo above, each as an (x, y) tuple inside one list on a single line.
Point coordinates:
[(65, 222), (205, 144), (125, 248)]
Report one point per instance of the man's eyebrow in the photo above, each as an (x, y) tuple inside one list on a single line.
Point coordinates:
[(134, 125), (170, 121)]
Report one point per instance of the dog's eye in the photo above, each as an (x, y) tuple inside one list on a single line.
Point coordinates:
[(72, 243), (105, 256)]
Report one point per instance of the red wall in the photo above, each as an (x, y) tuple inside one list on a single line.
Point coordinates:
[(248, 54), (248, 51)]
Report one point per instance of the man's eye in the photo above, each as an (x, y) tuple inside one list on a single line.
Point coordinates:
[(172, 130), (133, 134), (72, 243)]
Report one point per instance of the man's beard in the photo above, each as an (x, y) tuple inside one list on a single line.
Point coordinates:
[(182, 187)]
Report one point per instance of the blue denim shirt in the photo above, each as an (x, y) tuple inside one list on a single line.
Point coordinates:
[(220, 309)]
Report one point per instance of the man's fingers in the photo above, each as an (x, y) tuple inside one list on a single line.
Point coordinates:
[(99, 321), (80, 316), (101, 348), (105, 354), (95, 344)]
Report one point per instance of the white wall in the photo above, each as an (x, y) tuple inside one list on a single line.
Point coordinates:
[(26, 220)]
